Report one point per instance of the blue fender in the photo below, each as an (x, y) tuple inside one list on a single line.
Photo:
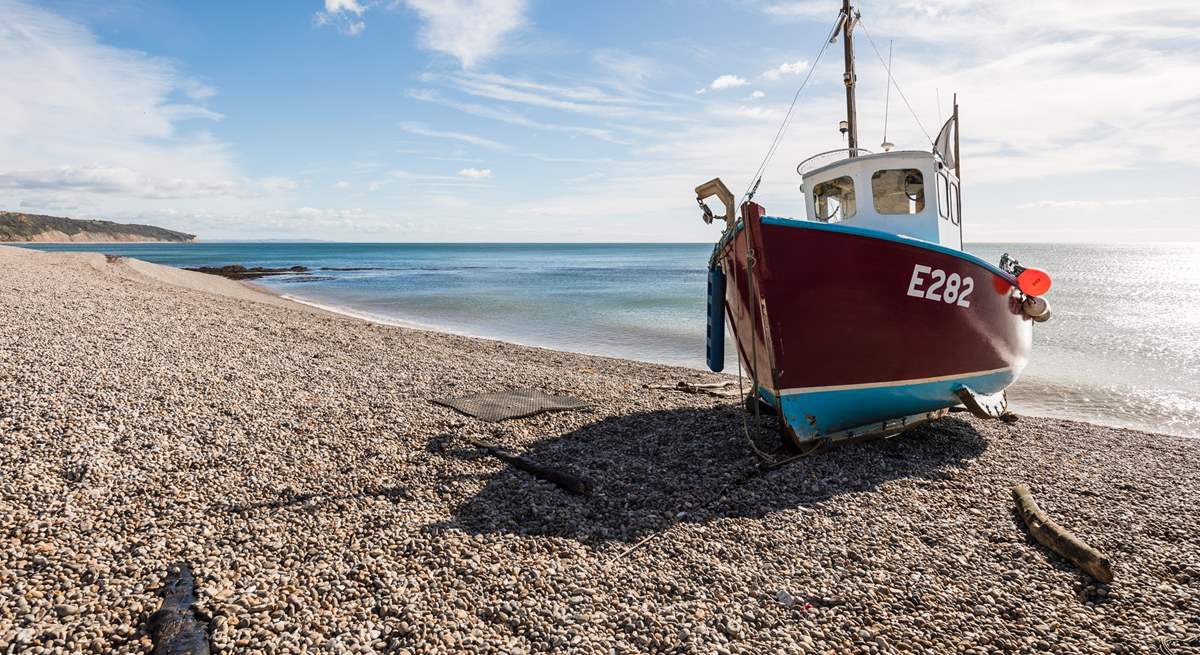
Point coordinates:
[(715, 335)]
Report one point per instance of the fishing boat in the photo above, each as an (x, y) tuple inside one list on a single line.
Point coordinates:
[(867, 317)]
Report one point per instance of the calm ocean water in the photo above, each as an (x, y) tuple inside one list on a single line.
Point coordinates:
[(1123, 347)]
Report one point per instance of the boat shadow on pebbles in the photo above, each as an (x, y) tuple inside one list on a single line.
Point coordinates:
[(648, 468)]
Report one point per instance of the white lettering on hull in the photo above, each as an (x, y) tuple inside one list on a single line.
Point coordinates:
[(952, 289)]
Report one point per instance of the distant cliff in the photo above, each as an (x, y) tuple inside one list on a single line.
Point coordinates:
[(33, 227)]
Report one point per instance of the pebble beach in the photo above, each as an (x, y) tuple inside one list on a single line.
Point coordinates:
[(293, 458)]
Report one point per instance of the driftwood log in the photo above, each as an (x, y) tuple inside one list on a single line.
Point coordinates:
[(720, 389), (562, 479), (174, 627), (1059, 539)]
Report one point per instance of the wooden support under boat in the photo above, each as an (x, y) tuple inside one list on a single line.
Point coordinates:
[(1059, 539)]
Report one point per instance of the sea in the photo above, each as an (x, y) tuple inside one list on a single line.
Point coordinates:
[(1122, 347)]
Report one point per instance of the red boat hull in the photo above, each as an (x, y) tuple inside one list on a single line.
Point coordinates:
[(856, 326)]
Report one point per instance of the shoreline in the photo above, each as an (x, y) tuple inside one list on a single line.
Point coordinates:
[(1040, 409), (88, 242), (1101, 421), (294, 458)]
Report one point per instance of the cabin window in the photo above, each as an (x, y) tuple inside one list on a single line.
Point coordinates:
[(954, 206), (834, 199), (898, 191), (943, 196)]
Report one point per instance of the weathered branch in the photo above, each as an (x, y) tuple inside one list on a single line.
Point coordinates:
[(564, 480), (710, 388), (1059, 539)]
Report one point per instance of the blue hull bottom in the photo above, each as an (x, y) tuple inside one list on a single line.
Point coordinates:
[(812, 414)]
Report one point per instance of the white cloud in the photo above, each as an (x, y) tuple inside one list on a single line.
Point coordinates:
[(508, 115), (92, 125), (786, 68), (278, 184), (308, 222), (95, 179), (56, 203), (468, 177), (344, 15), (421, 129), (627, 67), (1143, 201), (322, 222), (181, 112), (127, 182), (341, 184), (803, 10), (471, 31), (727, 82), (475, 173), (351, 6), (585, 99), (760, 113), (757, 94), (197, 90)]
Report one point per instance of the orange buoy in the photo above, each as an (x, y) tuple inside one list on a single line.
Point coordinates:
[(1034, 282)]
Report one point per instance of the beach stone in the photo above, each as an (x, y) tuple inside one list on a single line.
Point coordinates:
[(785, 599), (64, 610)]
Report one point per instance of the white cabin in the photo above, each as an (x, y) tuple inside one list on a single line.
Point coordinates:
[(905, 192)]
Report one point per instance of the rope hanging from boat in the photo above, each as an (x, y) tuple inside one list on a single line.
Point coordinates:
[(787, 118), (767, 460), (892, 79), (762, 455)]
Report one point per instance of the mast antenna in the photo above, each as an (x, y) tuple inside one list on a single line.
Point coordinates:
[(887, 98), (848, 21)]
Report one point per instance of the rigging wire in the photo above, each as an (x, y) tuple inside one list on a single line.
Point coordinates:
[(787, 118), (893, 81)]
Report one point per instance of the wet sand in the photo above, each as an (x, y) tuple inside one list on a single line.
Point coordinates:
[(150, 415)]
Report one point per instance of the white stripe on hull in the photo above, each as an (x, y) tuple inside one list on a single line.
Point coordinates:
[(893, 383)]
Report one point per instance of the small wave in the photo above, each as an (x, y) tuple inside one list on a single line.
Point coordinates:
[(1163, 411), (301, 279)]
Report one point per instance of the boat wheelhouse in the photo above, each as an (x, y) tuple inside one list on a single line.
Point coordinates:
[(913, 193)]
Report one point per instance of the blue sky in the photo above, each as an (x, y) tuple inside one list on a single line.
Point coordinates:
[(512, 120)]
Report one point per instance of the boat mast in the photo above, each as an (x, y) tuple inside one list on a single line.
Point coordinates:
[(957, 161), (848, 47)]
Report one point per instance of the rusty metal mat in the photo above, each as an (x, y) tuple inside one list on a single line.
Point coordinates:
[(514, 403)]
